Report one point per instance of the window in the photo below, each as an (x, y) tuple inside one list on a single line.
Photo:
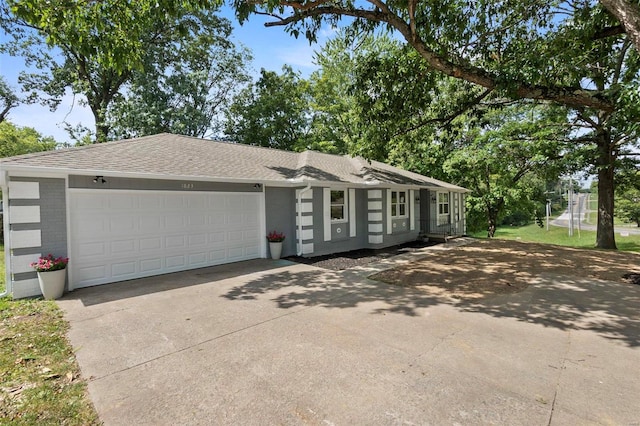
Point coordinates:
[(338, 206), (443, 208), (398, 204)]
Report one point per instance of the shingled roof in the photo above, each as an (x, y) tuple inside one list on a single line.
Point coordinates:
[(182, 156)]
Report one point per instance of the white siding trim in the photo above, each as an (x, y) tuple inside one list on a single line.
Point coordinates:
[(374, 205), (25, 214), (25, 239), (374, 193), (389, 230), (412, 210), (352, 212), (307, 248), (307, 234), (375, 239), (326, 213), (306, 220), (24, 190), (375, 227), (374, 216), (20, 264), (25, 288)]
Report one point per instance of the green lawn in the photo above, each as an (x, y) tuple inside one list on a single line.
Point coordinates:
[(560, 236), (40, 381)]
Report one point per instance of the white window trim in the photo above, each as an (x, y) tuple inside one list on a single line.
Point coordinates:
[(345, 204), (406, 203), (443, 218)]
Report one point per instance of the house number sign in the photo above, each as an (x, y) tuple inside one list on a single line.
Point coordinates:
[(188, 186)]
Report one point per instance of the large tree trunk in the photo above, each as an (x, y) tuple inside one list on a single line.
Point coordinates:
[(605, 236), (628, 14), (102, 129), (492, 218)]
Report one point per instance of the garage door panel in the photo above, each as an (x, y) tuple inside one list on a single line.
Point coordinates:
[(89, 274), (174, 241), (174, 202), (216, 237), (217, 256), (153, 243), (119, 236), (151, 265), (149, 223), (174, 222), (92, 249), (150, 202), (196, 259), (235, 252), (124, 246), (122, 225), (175, 261), (123, 269), (199, 240)]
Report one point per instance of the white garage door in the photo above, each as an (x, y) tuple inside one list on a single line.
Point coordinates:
[(121, 235)]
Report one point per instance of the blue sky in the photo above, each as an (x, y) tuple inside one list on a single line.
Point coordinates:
[(271, 48)]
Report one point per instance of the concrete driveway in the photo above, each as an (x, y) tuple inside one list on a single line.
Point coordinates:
[(271, 342)]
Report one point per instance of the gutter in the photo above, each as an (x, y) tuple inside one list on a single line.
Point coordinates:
[(302, 191), (7, 240)]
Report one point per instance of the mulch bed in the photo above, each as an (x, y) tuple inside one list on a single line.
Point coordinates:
[(351, 259)]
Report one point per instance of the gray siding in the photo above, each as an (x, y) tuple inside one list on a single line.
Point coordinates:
[(280, 206), (52, 226)]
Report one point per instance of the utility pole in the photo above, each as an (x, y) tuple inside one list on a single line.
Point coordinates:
[(570, 197)]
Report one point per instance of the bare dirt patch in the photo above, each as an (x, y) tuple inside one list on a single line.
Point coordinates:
[(488, 267)]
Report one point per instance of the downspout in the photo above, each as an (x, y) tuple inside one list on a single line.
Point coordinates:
[(7, 239), (302, 191)]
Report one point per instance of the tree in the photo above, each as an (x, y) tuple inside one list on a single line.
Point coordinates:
[(628, 196), (16, 140), (628, 13), (8, 99), (628, 205), (98, 44), (337, 126), (506, 159), (273, 112), (560, 52), (183, 91)]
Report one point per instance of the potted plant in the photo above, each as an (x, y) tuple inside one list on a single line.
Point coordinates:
[(52, 272), (275, 243)]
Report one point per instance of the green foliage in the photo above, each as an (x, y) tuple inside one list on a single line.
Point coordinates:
[(94, 48), (628, 199), (8, 99), (16, 140), (273, 112), (183, 90)]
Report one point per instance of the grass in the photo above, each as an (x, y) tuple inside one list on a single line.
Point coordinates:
[(560, 236), (40, 380)]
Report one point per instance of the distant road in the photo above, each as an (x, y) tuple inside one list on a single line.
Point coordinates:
[(580, 212)]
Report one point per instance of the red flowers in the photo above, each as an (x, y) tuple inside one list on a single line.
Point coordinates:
[(49, 263), (275, 237)]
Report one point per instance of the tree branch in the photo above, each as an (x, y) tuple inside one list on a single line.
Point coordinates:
[(570, 96)]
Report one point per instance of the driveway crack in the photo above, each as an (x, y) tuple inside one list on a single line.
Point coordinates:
[(563, 362)]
